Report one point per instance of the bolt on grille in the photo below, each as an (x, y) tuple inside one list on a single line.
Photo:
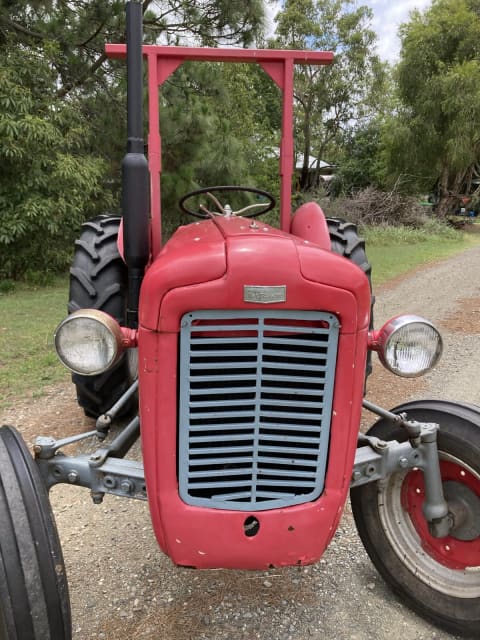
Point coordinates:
[(256, 393)]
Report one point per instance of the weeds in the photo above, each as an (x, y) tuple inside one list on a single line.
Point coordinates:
[(387, 235)]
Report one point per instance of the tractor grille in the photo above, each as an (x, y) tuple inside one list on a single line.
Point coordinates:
[(255, 403)]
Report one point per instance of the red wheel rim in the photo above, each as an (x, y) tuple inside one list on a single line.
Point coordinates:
[(449, 551)]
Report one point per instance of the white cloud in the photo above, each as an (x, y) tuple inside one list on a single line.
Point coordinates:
[(271, 10), (387, 17)]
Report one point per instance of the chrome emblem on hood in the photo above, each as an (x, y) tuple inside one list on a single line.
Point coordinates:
[(264, 294)]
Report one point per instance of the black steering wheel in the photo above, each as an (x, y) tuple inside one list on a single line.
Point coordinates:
[(248, 211)]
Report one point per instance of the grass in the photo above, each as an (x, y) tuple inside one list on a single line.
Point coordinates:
[(29, 315), (393, 251)]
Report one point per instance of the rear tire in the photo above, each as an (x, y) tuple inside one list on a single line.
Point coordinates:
[(98, 280), (437, 577), (34, 602), (346, 242)]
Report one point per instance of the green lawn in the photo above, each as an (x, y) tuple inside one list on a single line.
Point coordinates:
[(392, 254), (28, 316)]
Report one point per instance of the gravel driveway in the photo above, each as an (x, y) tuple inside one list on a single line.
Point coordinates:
[(121, 585)]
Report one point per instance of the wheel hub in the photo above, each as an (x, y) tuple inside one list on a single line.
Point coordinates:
[(460, 550), (464, 506)]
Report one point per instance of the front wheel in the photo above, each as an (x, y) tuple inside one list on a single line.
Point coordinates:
[(34, 602), (437, 577)]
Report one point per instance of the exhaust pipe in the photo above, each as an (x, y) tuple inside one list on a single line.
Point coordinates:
[(135, 174)]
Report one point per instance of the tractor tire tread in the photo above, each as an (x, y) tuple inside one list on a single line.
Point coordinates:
[(459, 435), (346, 242), (98, 279)]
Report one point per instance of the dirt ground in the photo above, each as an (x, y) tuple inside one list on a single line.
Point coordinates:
[(122, 587)]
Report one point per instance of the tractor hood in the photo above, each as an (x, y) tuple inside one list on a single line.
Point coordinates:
[(234, 256)]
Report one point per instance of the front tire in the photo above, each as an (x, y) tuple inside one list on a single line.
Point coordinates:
[(438, 578), (34, 602)]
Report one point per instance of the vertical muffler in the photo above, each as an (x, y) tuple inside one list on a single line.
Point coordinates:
[(135, 173)]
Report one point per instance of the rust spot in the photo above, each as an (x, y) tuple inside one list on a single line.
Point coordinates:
[(290, 528)]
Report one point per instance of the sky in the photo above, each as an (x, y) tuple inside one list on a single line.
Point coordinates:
[(387, 17)]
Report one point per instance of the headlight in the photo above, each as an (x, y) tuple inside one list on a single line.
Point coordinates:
[(88, 342), (408, 346)]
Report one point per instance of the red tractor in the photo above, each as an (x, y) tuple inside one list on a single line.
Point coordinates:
[(242, 350)]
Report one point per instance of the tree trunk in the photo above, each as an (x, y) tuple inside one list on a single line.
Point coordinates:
[(450, 192)]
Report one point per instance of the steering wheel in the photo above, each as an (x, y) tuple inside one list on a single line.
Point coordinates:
[(225, 210)]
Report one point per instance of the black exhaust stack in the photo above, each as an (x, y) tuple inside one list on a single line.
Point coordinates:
[(135, 174)]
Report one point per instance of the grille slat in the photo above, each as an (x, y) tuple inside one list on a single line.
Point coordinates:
[(295, 390), (279, 427), (222, 414), (224, 365), (226, 484), (269, 377), (298, 367), (227, 438), (290, 403), (232, 472), (233, 402), (282, 462), (227, 391), (234, 427), (282, 438), (287, 449), (207, 451), (222, 353), (222, 378), (285, 414), (219, 461), (256, 392)]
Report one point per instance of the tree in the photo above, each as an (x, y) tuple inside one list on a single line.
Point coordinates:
[(434, 135), (330, 98), (361, 164), (62, 110), (81, 27), (48, 182), (220, 125)]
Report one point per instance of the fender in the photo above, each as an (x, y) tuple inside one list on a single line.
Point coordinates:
[(309, 224)]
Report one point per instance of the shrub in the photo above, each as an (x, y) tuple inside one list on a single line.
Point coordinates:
[(373, 207)]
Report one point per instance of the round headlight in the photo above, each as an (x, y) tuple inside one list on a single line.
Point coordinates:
[(88, 342), (409, 346)]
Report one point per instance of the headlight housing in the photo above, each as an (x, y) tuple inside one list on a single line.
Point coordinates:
[(408, 346), (89, 342)]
